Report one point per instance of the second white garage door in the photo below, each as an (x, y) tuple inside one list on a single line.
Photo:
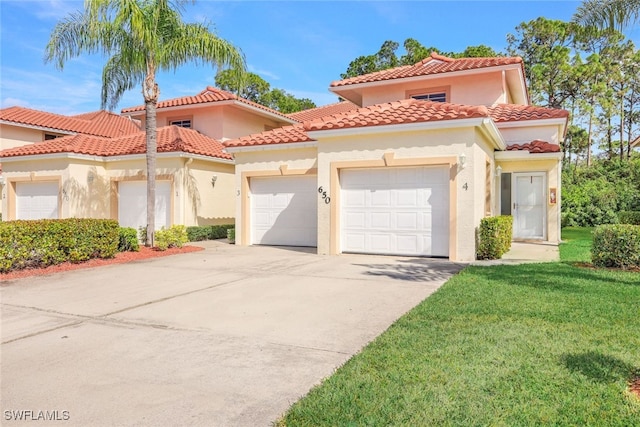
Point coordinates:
[(284, 211), (395, 211), (37, 200), (132, 204)]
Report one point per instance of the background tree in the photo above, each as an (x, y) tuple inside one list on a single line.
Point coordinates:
[(140, 38), (254, 88)]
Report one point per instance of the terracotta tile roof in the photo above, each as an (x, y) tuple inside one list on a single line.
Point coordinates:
[(326, 110), (511, 113), (283, 135), (169, 138), (399, 112), (535, 146), (433, 64), (209, 95), (98, 123)]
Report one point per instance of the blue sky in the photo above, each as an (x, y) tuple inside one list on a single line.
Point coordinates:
[(298, 46)]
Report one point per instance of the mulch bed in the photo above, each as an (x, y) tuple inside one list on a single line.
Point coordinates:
[(634, 386), (120, 258)]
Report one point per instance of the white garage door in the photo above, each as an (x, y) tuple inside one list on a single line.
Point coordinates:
[(395, 211), (37, 200), (132, 204), (284, 211)]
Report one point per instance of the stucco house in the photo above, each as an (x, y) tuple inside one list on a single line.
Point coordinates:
[(411, 168), (83, 172)]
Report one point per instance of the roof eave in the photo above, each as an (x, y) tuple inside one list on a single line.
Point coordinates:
[(37, 127), (268, 147), (402, 127), (336, 89), (505, 156)]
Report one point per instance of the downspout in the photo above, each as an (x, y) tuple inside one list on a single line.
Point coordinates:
[(504, 87)]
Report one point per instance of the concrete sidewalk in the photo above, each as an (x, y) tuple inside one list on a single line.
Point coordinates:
[(526, 252), (229, 336)]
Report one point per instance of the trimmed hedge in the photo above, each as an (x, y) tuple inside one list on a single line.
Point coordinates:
[(629, 217), (208, 232), (128, 240), (231, 235), (176, 236), (616, 245), (41, 243), (494, 236)]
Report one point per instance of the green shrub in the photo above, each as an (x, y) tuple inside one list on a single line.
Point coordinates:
[(494, 236), (41, 243), (220, 231), (629, 217), (208, 232), (198, 233), (616, 245), (231, 235), (176, 236), (128, 241)]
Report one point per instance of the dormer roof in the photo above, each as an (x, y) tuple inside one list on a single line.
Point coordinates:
[(97, 123), (212, 96)]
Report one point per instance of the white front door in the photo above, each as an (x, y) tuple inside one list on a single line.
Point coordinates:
[(529, 206)]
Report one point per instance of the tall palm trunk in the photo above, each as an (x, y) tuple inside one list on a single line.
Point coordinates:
[(152, 148), (151, 93)]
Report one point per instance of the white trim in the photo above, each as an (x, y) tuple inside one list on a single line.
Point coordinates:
[(269, 147), (227, 102), (506, 156), (110, 159), (42, 128), (527, 123), (385, 82), (486, 125), (636, 142), (402, 127)]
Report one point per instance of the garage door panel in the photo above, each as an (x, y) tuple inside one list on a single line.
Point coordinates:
[(132, 204), (37, 200), (284, 211), (402, 208)]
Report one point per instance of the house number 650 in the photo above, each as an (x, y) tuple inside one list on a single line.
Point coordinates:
[(323, 193)]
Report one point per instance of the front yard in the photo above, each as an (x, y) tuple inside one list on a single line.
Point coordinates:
[(534, 344)]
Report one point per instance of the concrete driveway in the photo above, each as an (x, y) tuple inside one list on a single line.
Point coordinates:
[(228, 336)]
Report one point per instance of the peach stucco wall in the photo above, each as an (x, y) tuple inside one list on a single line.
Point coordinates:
[(477, 89), (13, 136), (88, 188), (219, 121), (523, 133)]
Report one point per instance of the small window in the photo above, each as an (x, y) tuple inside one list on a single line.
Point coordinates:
[(50, 136), (505, 194), (434, 97), (183, 123)]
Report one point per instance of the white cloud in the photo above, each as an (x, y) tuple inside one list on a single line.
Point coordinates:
[(262, 72)]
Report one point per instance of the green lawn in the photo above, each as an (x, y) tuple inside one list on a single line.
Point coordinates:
[(529, 345)]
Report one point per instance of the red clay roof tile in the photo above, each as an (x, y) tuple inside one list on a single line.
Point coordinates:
[(209, 95), (98, 123), (512, 112), (283, 135), (169, 139), (433, 64), (325, 110), (399, 112), (535, 146)]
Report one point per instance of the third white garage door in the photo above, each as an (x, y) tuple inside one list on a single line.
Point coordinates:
[(395, 211), (284, 211)]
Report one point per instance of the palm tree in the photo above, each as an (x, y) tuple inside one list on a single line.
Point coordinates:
[(608, 14), (139, 38)]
